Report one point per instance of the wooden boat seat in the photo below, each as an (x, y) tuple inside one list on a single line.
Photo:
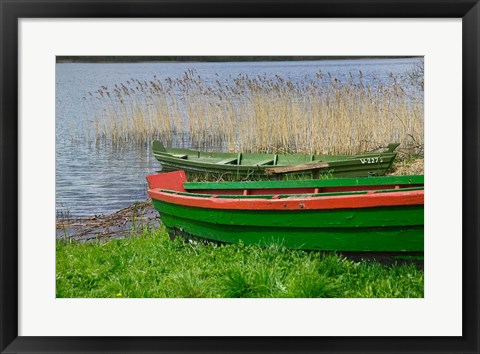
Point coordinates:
[(229, 161), (265, 162), (310, 166), (180, 156)]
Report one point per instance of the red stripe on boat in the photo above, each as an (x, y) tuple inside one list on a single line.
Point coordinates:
[(295, 203)]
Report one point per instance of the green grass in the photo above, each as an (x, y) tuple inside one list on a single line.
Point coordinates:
[(152, 265)]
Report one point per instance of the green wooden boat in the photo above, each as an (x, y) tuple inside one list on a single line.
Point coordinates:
[(244, 164), (374, 214)]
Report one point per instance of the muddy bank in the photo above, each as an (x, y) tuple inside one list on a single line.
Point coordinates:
[(117, 225)]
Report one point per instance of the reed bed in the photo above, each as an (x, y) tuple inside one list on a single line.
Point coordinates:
[(261, 114)]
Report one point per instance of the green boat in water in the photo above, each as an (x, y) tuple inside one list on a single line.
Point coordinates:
[(374, 214), (249, 165)]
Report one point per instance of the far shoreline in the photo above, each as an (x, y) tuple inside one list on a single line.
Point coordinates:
[(207, 59)]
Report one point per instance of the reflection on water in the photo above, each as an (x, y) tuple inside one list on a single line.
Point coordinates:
[(98, 179)]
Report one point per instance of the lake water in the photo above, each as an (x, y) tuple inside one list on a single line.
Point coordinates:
[(93, 180)]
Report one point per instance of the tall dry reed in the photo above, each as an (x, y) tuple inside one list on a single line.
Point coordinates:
[(261, 114)]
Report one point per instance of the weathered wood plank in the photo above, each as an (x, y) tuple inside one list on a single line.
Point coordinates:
[(265, 162), (228, 161), (296, 168)]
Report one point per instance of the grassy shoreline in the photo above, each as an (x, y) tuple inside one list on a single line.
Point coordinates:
[(151, 265)]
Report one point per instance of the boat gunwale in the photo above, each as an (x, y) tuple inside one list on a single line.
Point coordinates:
[(349, 201), (286, 195), (158, 148), (336, 159), (310, 183), (172, 151)]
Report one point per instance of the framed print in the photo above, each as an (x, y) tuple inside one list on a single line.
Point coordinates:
[(217, 176)]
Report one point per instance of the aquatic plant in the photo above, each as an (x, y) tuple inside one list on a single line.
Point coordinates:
[(261, 114)]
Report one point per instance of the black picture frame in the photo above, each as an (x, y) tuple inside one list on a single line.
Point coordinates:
[(12, 11)]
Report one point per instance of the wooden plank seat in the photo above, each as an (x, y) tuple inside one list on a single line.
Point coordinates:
[(180, 156), (311, 166), (229, 161), (265, 162)]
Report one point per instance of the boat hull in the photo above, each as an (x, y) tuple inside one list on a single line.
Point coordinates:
[(374, 214), (350, 168), (383, 229), (243, 165)]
